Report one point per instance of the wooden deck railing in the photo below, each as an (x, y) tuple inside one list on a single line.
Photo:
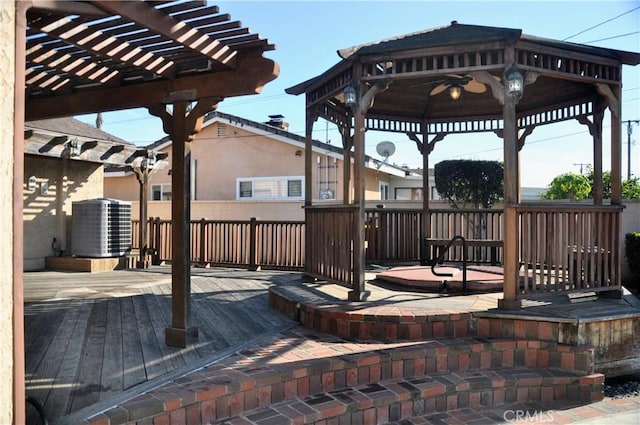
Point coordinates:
[(392, 235), (569, 248), (250, 243), (562, 248)]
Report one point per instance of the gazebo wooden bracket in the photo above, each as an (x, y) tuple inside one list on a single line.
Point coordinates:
[(366, 101), (497, 89), (426, 148), (612, 100)]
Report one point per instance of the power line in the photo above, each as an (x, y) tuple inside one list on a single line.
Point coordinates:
[(601, 23), (611, 38)]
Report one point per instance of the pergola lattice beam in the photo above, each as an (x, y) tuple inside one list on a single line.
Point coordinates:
[(66, 63), (101, 44), (257, 72), (166, 25)]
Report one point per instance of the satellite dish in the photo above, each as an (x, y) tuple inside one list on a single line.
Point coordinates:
[(386, 149)]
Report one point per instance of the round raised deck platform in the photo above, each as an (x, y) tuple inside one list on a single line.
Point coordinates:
[(479, 279)]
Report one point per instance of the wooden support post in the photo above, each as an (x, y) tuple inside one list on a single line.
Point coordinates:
[(425, 228), (511, 200), (181, 124), (253, 240), (156, 241), (616, 148), (347, 144), (598, 183), (177, 334), (202, 235), (310, 118), (425, 147), (143, 179), (595, 130), (357, 290)]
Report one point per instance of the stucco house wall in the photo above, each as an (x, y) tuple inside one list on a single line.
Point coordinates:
[(7, 87), (630, 223), (47, 215), (225, 151)]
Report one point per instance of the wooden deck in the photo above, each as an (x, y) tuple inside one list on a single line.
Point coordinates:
[(92, 338)]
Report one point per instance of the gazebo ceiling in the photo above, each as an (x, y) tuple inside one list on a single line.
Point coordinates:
[(411, 99), (84, 57), (408, 68)]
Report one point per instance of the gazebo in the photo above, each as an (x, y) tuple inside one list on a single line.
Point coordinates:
[(470, 79)]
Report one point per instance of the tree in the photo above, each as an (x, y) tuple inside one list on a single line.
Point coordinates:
[(568, 186), (468, 181), (630, 188), (606, 184)]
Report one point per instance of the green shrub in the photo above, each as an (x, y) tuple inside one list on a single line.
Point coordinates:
[(632, 251)]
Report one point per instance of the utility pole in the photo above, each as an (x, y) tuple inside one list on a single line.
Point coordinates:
[(582, 164), (629, 131)]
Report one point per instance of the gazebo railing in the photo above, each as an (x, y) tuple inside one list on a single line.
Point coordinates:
[(482, 229), (330, 232), (568, 248), (392, 235)]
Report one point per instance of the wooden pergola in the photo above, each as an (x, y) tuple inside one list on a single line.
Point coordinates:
[(510, 83), (177, 59)]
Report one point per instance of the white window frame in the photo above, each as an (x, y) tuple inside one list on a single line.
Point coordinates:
[(384, 190), (284, 180), (163, 191)]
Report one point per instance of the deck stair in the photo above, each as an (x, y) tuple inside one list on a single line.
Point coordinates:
[(297, 380)]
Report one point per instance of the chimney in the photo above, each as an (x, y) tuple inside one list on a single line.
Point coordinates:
[(278, 121)]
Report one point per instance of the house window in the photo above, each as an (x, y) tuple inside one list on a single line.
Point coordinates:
[(384, 191), (327, 177), (270, 188), (161, 192), (408, 194)]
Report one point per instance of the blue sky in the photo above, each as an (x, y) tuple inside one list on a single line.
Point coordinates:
[(307, 35)]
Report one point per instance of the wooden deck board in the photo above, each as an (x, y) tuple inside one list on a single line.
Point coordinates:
[(255, 300), (241, 321), (111, 379), (160, 322), (151, 352), (88, 388), (90, 338), (216, 314), (57, 404), (133, 361)]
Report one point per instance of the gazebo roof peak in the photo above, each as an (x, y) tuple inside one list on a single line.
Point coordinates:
[(453, 33)]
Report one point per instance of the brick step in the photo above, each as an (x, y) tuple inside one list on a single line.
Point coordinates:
[(256, 378), (394, 400), (480, 367), (379, 322)]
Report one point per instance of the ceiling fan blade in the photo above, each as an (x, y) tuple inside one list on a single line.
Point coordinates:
[(474, 86), (438, 89)]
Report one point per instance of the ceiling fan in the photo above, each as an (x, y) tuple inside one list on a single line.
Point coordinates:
[(456, 84)]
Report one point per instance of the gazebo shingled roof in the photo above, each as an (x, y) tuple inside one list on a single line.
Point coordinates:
[(417, 62)]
